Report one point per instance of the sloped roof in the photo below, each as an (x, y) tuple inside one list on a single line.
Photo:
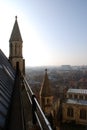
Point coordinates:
[(77, 91), (46, 88), (15, 35), (6, 87)]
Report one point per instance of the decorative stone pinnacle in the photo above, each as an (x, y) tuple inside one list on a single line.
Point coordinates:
[(45, 70), (16, 17)]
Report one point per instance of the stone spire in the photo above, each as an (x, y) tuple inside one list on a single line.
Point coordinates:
[(46, 88), (15, 35), (15, 48)]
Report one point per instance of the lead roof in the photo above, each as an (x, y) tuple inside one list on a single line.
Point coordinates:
[(7, 75), (77, 91)]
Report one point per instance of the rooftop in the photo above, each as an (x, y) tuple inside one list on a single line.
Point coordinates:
[(6, 87), (78, 91), (76, 101)]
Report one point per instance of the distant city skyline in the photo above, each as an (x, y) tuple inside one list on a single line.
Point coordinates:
[(54, 32)]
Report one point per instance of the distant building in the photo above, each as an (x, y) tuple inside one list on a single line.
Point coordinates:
[(66, 68), (83, 82), (74, 107)]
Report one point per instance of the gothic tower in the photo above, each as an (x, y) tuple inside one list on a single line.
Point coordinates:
[(46, 96), (15, 48)]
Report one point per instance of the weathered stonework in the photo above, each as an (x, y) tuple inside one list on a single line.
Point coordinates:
[(15, 48)]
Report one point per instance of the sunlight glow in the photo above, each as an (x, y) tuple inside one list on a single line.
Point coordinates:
[(53, 32), (35, 49)]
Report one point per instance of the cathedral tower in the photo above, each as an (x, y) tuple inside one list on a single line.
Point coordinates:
[(46, 96), (15, 48)]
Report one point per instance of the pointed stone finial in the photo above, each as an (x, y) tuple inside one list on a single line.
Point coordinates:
[(45, 70), (15, 17)]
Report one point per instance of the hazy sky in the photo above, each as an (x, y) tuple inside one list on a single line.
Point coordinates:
[(54, 32)]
